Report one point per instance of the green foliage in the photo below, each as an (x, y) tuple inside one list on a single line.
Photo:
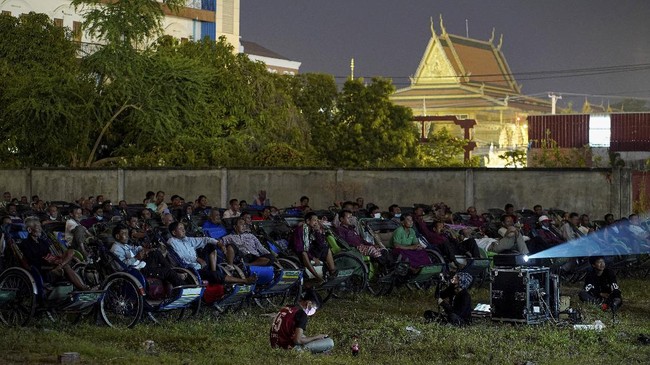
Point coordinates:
[(124, 23), (314, 96), (615, 160), (44, 99), (516, 158), (444, 150), (195, 104), (550, 154), (373, 132)]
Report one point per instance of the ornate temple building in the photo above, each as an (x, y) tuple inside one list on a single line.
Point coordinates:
[(470, 79)]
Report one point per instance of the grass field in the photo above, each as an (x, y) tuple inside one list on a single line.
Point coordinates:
[(380, 323)]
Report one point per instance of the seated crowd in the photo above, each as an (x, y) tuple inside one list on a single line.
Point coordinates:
[(200, 236)]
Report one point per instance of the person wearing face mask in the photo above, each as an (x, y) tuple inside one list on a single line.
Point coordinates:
[(97, 216), (374, 211), (289, 326), (395, 213), (52, 215)]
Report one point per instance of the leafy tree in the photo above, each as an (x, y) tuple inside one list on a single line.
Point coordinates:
[(315, 97), (444, 150), (124, 23), (515, 158), (249, 109), (374, 132), (44, 96)]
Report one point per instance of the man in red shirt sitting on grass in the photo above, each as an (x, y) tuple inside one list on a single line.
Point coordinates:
[(289, 326)]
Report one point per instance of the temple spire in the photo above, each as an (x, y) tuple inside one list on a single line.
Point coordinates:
[(500, 42), (442, 26), (492, 37), (433, 30)]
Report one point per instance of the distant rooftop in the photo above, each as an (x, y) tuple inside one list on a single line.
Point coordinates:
[(252, 48)]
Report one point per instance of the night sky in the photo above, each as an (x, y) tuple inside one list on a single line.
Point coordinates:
[(388, 38)]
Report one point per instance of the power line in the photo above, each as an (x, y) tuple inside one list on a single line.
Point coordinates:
[(539, 75)]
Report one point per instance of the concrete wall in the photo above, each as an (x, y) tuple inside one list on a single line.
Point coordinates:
[(189, 184), (591, 191)]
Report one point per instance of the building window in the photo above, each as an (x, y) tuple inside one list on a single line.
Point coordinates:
[(76, 31), (58, 22), (600, 130), (5, 12)]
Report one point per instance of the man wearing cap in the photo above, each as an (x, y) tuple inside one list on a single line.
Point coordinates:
[(601, 286), (455, 301), (289, 326), (547, 236)]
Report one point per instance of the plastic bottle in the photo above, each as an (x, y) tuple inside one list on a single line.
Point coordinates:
[(355, 346)]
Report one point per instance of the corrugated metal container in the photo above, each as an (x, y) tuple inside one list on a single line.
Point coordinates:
[(209, 29), (630, 132), (569, 131)]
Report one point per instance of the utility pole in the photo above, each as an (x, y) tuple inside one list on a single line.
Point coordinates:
[(554, 99), (352, 69)]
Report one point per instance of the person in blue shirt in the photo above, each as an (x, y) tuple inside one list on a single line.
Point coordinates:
[(213, 227), (186, 250), (150, 262)]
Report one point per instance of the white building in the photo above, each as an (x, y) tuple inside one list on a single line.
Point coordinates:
[(275, 63), (198, 19)]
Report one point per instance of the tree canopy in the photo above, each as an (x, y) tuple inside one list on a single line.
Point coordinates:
[(148, 100)]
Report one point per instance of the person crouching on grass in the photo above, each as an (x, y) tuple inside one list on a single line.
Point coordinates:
[(600, 286), (289, 326), (455, 301)]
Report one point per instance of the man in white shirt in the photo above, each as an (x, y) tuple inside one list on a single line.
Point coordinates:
[(75, 233), (233, 210), (150, 262), (186, 250)]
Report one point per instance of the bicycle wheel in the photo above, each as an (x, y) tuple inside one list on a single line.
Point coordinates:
[(123, 303), (357, 281), (17, 297)]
